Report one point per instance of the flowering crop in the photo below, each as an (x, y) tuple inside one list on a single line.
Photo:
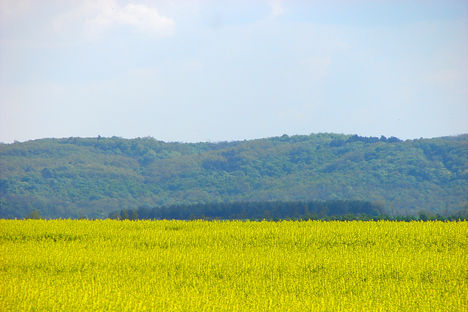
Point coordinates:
[(81, 265)]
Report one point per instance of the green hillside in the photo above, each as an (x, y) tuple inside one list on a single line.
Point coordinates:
[(91, 177)]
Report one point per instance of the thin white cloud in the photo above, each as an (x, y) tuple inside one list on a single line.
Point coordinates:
[(13, 8), (277, 8), (97, 17)]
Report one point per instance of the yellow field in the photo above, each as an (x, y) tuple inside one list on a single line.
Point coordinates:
[(65, 265)]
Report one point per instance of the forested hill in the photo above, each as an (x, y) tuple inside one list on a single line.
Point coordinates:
[(91, 177)]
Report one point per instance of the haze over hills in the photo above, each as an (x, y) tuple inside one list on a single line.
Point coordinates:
[(91, 177)]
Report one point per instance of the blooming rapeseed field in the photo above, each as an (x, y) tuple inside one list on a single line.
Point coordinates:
[(104, 265)]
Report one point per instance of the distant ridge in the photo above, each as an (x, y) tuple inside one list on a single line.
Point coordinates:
[(91, 177)]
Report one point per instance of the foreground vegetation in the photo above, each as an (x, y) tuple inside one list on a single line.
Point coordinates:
[(82, 265), (92, 177)]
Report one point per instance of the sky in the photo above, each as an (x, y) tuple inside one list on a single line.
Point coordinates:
[(213, 70)]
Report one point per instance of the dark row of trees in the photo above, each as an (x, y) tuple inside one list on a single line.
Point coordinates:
[(268, 210), (343, 210)]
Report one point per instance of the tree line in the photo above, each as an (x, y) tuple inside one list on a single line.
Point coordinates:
[(266, 210), (338, 210)]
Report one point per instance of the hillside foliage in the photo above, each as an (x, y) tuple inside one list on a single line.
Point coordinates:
[(91, 177)]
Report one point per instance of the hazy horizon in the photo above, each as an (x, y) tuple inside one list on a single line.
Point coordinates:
[(213, 71), (222, 141)]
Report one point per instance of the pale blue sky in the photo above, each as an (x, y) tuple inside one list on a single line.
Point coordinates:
[(226, 70)]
